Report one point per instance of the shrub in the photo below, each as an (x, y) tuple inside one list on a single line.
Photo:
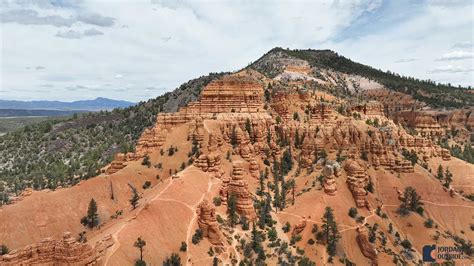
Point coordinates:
[(217, 201), (286, 228), (197, 237), (353, 212), (183, 247), (146, 185), (429, 223), (406, 244)]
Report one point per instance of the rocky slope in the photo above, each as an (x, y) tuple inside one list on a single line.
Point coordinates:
[(252, 171)]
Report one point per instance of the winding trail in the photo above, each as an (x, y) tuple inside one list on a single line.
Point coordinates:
[(118, 227), (193, 220), (446, 205)]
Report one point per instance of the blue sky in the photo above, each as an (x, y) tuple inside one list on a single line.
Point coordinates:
[(135, 50)]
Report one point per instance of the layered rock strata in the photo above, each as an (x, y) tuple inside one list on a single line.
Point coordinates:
[(357, 180), (65, 251), (239, 188), (367, 248), (117, 164), (207, 222), (330, 172)]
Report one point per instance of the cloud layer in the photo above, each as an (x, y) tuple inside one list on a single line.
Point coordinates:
[(136, 50)]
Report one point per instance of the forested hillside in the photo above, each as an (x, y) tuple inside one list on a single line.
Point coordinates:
[(62, 152)]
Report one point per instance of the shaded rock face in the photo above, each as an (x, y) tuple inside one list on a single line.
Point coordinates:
[(426, 125), (237, 186), (207, 222), (357, 180), (367, 248), (64, 251)]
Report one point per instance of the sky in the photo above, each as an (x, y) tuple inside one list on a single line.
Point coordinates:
[(135, 50)]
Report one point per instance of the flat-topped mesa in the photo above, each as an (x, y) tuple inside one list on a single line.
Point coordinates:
[(367, 248), (117, 164), (238, 187), (357, 180), (367, 108), (207, 222), (232, 94), (65, 251)]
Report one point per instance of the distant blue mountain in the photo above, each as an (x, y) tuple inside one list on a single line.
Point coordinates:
[(83, 105)]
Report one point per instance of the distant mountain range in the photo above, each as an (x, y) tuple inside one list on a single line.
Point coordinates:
[(83, 105), (37, 112)]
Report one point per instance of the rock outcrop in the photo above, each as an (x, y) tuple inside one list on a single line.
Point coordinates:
[(150, 140), (239, 188), (208, 224), (367, 108), (117, 164), (210, 160), (330, 172), (300, 226), (65, 251), (445, 154), (367, 248), (357, 180)]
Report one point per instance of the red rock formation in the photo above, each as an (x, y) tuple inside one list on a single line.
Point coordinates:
[(403, 166), (357, 180), (321, 113), (330, 171), (208, 224), (66, 251), (210, 159), (254, 168), (150, 140), (445, 155), (367, 248), (424, 124), (299, 227), (196, 130), (117, 164), (367, 108), (237, 186)]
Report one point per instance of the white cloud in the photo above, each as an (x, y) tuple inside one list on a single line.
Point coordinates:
[(451, 69), (161, 44), (406, 60), (455, 55), (465, 44)]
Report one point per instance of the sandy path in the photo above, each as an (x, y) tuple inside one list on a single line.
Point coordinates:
[(193, 220), (118, 227)]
